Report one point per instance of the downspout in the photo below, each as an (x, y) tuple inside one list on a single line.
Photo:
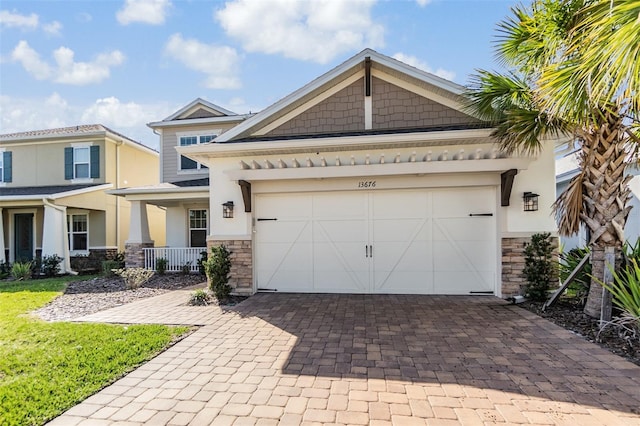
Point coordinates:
[(118, 145), (65, 232)]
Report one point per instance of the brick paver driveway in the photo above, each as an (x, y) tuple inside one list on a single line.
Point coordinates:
[(347, 359)]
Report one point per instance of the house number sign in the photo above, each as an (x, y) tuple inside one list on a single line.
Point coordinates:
[(367, 184)]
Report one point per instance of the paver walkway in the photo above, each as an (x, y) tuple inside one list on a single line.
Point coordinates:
[(364, 359)]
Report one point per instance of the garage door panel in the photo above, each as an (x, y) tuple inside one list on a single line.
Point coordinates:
[(422, 242)]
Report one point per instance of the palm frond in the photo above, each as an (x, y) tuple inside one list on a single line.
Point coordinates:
[(569, 206)]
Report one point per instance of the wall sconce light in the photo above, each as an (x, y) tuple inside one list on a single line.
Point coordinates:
[(227, 209), (530, 201)]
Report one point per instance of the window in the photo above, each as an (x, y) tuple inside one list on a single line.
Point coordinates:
[(82, 162), (5, 166), (187, 163), (197, 228), (77, 224)]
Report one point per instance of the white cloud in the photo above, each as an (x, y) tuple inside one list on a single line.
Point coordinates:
[(84, 17), (16, 20), (52, 28), (28, 22), (128, 118), (219, 63), (423, 3), (152, 12), (66, 70), (315, 31), (417, 63)]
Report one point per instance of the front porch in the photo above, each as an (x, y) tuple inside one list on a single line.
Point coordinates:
[(179, 259)]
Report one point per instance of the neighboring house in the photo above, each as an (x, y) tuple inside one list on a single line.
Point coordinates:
[(567, 168), (183, 191), (52, 193), (371, 179)]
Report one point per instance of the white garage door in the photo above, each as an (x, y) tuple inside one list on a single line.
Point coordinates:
[(404, 241)]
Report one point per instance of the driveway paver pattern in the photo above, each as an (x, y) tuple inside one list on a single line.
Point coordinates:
[(363, 359)]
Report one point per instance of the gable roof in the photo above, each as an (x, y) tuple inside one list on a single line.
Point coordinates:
[(444, 87), (88, 130), (215, 109)]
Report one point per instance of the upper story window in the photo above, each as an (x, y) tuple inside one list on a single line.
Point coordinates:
[(82, 162), (187, 163), (5, 166)]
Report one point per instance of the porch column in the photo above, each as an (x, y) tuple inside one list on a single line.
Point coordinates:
[(139, 237), (54, 234), (2, 248)]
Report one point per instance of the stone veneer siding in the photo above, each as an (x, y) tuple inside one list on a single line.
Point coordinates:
[(513, 280), (241, 275), (134, 255)]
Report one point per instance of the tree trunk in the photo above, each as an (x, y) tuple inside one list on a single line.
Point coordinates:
[(605, 197), (593, 306)]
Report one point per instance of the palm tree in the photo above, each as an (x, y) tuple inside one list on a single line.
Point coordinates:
[(574, 70)]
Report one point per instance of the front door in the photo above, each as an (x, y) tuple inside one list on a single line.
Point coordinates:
[(23, 236)]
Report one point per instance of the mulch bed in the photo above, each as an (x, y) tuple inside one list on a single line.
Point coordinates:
[(567, 313)]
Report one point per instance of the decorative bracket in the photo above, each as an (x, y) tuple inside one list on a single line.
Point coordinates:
[(506, 183), (245, 187)]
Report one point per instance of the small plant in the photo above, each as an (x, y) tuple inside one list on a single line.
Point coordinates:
[(217, 268), (50, 265), (119, 257), (21, 270), (134, 277), (625, 290), (109, 266), (200, 297), (5, 270), (186, 268), (539, 269), (579, 288), (161, 265), (203, 258)]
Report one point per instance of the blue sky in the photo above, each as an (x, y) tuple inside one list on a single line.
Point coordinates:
[(124, 63)]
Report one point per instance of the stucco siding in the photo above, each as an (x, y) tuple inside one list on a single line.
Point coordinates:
[(397, 108), (341, 112)]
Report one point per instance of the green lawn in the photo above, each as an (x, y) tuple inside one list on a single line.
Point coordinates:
[(46, 368)]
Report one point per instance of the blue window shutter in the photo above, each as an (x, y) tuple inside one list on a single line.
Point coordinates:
[(68, 163), (6, 164), (95, 161)]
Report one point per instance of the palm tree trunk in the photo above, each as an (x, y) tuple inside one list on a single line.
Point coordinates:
[(605, 196)]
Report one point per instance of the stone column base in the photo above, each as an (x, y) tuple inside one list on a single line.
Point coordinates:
[(134, 255), (241, 275)]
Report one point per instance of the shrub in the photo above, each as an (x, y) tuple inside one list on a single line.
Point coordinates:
[(161, 265), (50, 265), (539, 269), (203, 258), (109, 266), (134, 277), (199, 297), (217, 268), (5, 270), (186, 268), (21, 270), (568, 262)]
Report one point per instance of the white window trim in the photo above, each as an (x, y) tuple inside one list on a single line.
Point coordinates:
[(2, 182), (198, 134), (81, 145), (70, 232), (189, 228)]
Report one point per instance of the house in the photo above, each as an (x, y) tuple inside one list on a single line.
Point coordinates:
[(183, 191), (52, 193), (566, 169), (372, 179)]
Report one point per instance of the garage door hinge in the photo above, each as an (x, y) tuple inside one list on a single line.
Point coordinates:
[(262, 219), (474, 214)]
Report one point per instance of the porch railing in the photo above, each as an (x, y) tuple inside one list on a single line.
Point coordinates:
[(177, 257)]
